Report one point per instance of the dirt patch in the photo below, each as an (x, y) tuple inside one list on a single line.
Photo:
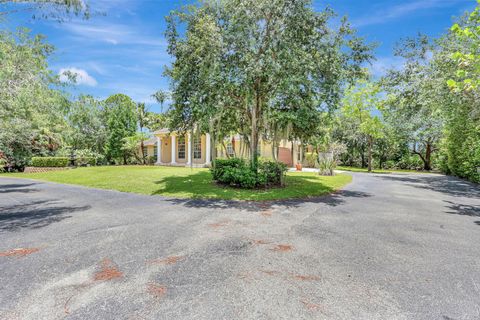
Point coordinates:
[(19, 252), (156, 290), (282, 248), (306, 277), (108, 271), (166, 261)]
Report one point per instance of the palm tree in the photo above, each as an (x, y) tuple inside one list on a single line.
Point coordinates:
[(142, 118), (161, 96)]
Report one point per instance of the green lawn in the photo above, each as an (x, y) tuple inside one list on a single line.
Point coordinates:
[(356, 169), (182, 182)]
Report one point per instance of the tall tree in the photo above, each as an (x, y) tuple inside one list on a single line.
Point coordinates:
[(255, 58), (121, 123), (32, 108), (359, 105), (86, 125), (414, 97), (161, 96)]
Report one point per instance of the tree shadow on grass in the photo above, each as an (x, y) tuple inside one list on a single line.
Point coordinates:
[(204, 193), (35, 215), (18, 188), (445, 184)]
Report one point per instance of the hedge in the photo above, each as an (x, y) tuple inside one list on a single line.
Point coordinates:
[(50, 161), (237, 173)]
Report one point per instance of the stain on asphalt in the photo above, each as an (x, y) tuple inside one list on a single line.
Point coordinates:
[(108, 271), (157, 291), (19, 252), (166, 261), (282, 248)]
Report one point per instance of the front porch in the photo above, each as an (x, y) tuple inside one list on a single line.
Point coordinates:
[(181, 151)]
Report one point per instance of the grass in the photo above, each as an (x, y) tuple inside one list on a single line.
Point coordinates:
[(356, 169), (179, 182)]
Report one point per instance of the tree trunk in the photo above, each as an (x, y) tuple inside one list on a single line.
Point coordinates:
[(254, 138), (428, 156), (143, 152), (370, 144)]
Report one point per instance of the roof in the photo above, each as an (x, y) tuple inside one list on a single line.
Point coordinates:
[(163, 130), (150, 142)]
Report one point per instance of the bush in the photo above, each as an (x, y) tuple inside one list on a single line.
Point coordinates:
[(50, 161), (326, 164), (310, 159), (236, 172)]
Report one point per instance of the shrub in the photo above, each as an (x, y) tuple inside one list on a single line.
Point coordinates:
[(236, 172), (310, 159), (326, 164), (271, 173), (50, 161)]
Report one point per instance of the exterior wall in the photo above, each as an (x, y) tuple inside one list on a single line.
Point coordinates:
[(166, 149)]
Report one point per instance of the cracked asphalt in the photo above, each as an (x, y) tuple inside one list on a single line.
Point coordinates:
[(388, 246)]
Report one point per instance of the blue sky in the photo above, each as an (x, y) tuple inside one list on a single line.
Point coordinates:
[(124, 51)]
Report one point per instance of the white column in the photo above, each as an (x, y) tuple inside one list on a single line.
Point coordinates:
[(173, 149), (189, 149), (207, 146), (159, 150)]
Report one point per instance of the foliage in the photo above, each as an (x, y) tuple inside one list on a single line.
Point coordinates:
[(50, 161), (259, 67), (326, 164), (86, 125), (31, 109), (414, 95), (46, 9), (467, 75), (121, 124), (310, 159), (358, 106), (236, 172)]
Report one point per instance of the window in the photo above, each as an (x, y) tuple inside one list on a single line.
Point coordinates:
[(155, 152), (181, 148), (145, 152), (230, 151), (197, 148), (299, 153)]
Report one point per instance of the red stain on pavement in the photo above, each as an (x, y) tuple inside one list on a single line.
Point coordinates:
[(310, 306), (167, 260), (107, 271), (219, 224), (306, 277), (19, 252), (282, 248), (156, 290)]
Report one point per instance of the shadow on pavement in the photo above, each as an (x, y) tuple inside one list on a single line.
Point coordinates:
[(333, 200), (17, 188), (445, 184), (35, 215)]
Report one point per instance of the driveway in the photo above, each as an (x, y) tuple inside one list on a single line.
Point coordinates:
[(386, 247)]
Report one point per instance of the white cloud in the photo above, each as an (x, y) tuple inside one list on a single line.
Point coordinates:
[(114, 33), (400, 10), (79, 76), (380, 66)]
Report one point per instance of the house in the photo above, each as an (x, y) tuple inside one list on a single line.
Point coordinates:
[(176, 150)]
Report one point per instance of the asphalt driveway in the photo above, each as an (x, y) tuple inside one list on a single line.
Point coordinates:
[(387, 247)]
